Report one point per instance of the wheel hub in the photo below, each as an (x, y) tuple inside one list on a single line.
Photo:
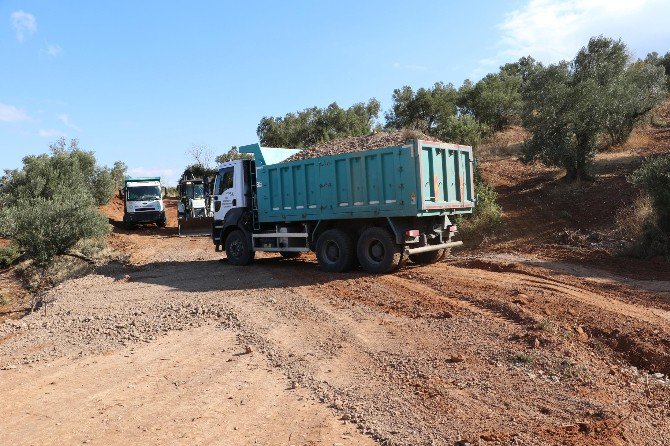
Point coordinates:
[(332, 252), (376, 251)]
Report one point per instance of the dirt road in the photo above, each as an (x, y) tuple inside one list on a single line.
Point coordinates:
[(486, 349)]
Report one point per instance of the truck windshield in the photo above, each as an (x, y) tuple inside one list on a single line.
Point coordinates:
[(194, 190), (139, 193)]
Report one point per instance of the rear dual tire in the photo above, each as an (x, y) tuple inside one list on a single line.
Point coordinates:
[(335, 251), (377, 251)]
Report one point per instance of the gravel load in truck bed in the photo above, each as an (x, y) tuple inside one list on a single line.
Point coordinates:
[(359, 143)]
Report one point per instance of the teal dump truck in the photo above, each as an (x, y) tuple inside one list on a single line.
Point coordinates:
[(375, 208)]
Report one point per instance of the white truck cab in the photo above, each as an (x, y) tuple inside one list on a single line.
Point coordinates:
[(143, 201), (230, 188)]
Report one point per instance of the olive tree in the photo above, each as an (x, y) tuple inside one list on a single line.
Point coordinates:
[(312, 125), (50, 204), (570, 107), (425, 109)]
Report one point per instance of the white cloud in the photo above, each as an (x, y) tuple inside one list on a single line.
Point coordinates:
[(554, 30), (65, 119), (51, 133), (9, 113), (54, 50), (24, 23)]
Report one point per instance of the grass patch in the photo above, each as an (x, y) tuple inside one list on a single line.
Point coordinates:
[(522, 358), (545, 325)]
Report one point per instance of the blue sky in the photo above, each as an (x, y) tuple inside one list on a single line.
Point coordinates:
[(143, 81)]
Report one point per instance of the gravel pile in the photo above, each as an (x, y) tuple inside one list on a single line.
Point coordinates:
[(359, 143)]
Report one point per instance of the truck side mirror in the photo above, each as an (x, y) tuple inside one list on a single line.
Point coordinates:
[(164, 191)]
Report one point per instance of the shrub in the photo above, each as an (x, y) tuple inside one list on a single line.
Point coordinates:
[(487, 214), (8, 255), (51, 203), (654, 177), (46, 227), (652, 237), (462, 129)]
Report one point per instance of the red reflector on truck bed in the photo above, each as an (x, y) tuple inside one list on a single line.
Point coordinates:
[(412, 233)]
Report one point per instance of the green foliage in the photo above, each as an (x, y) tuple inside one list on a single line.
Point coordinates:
[(568, 107), (654, 177), (522, 358), (119, 171), (434, 112), (495, 100), (8, 255), (232, 155), (44, 227), (632, 97), (50, 204), (487, 215), (424, 110), (462, 129), (67, 168), (313, 125), (661, 61), (200, 171)]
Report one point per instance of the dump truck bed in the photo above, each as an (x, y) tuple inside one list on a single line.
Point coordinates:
[(420, 178)]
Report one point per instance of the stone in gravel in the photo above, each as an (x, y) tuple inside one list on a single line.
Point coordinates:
[(520, 299), (536, 343), (581, 334), (459, 357), (248, 349)]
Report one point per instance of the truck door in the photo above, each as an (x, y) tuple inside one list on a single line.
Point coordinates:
[(228, 192)]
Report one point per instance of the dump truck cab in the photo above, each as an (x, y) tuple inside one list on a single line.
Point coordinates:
[(143, 201), (231, 197)]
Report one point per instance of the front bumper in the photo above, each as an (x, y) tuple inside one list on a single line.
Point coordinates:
[(144, 217)]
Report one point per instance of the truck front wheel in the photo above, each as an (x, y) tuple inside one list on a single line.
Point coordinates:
[(378, 252), (335, 251), (238, 248)]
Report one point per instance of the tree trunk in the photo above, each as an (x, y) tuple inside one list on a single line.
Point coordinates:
[(570, 169)]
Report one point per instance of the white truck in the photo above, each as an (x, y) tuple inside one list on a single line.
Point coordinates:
[(143, 201)]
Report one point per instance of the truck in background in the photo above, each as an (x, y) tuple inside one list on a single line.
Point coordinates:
[(195, 207), (374, 208), (143, 201)]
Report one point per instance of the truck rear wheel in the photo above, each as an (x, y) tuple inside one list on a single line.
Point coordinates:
[(335, 251), (378, 252), (426, 258), (238, 248)]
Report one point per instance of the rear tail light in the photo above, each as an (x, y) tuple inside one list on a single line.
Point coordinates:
[(453, 228), (412, 233)]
